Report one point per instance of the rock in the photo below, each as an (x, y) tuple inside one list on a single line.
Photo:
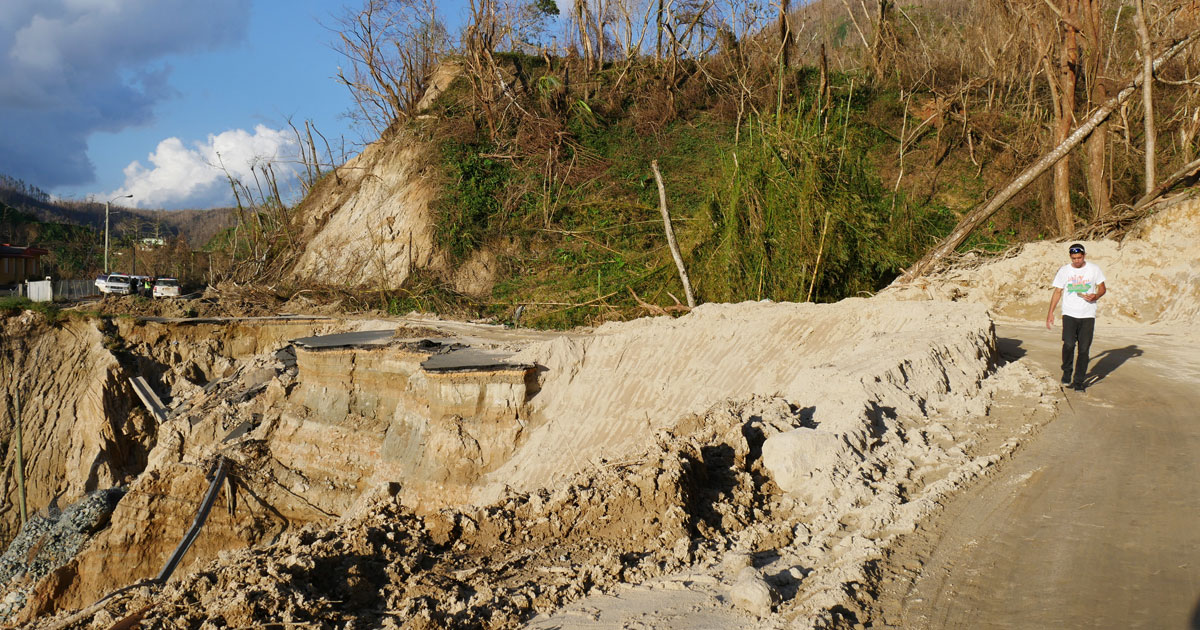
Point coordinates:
[(752, 594), (801, 460), (735, 561), (683, 549)]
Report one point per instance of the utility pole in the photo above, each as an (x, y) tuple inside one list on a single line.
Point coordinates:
[(106, 203)]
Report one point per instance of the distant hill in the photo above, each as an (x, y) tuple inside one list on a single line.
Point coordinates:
[(196, 226)]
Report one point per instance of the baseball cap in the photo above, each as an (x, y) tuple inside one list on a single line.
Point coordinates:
[(1076, 248)]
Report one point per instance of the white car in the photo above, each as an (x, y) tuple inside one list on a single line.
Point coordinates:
[(166, 287), (115, 283)]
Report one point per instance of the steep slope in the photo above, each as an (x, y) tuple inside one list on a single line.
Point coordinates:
[(80, 431), (368, 224)]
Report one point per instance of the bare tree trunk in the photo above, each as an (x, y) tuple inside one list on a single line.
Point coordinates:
[(659, 22), (1097, 143), (1097, 182), (878, 37), (583, 21), (662, 205), (1147, 94), (1068, 61), (823, 87), (982, 213)]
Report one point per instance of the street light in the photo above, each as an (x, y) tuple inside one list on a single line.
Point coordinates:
[(106, 227)]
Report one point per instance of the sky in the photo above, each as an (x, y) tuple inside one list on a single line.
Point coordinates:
[(105, 98)]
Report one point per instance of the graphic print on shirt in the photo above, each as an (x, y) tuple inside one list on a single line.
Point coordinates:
[(1078, 284)]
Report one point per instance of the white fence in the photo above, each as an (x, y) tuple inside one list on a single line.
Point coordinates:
[(39, 290), (47, 290)]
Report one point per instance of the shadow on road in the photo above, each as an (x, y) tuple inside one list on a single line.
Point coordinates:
[(1009, 349), (1195, 617), (1108, 361)]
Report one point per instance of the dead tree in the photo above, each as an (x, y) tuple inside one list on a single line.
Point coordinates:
[(785, 33), (392, 47), (1097, 92), (1147, 94), (1064, 109), (662, 206), (986, 210)]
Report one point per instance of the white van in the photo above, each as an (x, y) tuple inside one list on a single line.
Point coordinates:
[(166, 288)]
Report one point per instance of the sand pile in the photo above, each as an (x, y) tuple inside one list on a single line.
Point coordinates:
[(605, 395), (1153, 274)]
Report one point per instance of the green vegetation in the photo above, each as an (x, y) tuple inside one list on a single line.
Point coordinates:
[(802, 164), (786, 206), (14, 305), (75, 250)]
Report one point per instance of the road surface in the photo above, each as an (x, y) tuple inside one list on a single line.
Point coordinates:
[(1095, 523)]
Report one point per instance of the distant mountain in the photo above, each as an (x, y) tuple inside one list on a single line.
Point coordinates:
[(197, 226)]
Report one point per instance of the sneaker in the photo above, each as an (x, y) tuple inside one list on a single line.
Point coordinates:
[(1078, 387), (1066, 379)]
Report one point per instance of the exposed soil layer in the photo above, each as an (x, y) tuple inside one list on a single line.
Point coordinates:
[(804, 439)]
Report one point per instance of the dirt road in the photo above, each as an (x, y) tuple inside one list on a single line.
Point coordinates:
[(1095, 524)]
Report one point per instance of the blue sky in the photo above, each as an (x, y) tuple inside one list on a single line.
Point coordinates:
[(151, 90)]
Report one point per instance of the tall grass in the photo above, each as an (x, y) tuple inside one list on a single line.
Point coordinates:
[(803, 216)]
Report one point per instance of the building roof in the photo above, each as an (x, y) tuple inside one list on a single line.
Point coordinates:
[(9, 251)]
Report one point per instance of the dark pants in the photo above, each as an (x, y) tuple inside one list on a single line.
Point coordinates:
[(1076, 330)]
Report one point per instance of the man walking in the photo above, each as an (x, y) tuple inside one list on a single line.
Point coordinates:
[(1083, 283)]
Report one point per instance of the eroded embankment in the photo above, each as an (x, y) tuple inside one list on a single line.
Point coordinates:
[(80, 429), (799, 437), (84, 430)]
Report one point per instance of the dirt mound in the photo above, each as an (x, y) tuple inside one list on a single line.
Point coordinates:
[(1153, 274), (605, 395)]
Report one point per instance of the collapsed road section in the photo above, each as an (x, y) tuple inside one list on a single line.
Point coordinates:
[(424, 479)]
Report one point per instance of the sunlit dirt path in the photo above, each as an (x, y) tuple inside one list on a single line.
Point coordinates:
[(1095, 524)]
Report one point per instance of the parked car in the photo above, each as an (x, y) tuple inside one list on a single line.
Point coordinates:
[(141, 285), (102, 283), (166, 288), (118, 283)]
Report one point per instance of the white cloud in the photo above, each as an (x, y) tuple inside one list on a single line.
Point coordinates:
[(74, 67), (198, 176)]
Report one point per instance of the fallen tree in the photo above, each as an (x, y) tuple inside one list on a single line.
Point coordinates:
[(984, 212)]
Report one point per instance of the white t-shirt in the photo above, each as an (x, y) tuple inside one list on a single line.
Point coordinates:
[(1076, 283)]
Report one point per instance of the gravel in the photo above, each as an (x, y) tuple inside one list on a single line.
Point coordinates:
[(49, 540)]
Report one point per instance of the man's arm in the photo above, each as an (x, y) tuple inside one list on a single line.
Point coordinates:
[(1054, 298), (1100, 291)]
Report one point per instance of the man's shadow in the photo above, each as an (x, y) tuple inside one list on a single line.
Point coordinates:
[(1108, 361)]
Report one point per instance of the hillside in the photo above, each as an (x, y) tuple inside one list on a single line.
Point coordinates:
[(198, 227), (812, 174)]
